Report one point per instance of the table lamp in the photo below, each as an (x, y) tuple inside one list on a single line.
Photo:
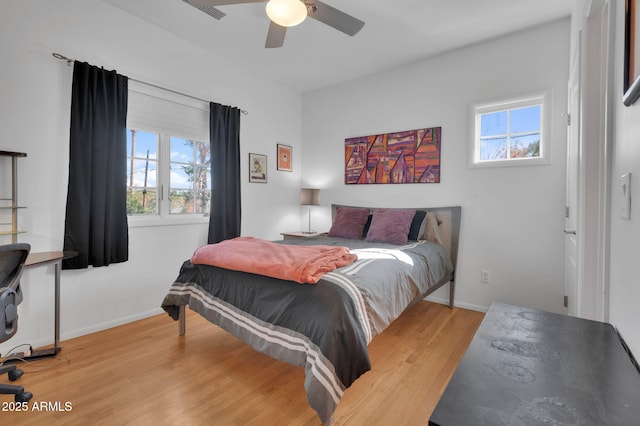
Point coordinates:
[(309, 197)]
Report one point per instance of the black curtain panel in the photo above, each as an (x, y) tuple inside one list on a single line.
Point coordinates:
[(96, 215), (224, 128)]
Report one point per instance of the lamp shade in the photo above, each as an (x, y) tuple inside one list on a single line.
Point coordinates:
[(286, 13), (310, 197)]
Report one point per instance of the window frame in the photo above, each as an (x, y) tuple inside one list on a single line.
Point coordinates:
[(163, 217), (541, 98)]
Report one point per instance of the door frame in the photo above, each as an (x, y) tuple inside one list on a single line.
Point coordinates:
[(573, 196), (596, 128)]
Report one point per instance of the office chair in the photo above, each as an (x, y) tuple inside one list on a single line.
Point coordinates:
[(12, 258)]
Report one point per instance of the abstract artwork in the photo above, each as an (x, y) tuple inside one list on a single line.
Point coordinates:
[(412, 156)]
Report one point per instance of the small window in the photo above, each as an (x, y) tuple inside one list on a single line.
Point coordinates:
[(509, 133)]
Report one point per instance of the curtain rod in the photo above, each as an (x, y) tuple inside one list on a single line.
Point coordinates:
[(71, 61)]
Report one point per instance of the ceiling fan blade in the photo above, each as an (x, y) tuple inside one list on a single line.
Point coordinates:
[(226, 2), (275, 36), (337, 19), (206, 7)]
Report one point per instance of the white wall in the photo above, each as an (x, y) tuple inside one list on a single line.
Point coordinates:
[(35, 93), (512, 217), (624, 284)]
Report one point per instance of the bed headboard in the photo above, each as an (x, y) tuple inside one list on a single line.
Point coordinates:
[(448, 225)]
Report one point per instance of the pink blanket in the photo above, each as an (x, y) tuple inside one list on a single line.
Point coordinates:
[(302, 264)]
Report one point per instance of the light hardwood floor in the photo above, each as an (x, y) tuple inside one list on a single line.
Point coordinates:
[(143, 373)]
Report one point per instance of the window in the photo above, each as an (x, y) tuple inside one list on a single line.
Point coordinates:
[(167, 175), (168, 158), (508, 133)]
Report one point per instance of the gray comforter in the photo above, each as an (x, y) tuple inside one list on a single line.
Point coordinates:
[(324, 327)]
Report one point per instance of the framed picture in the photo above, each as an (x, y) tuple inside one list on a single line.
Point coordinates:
[(631, 53), (257, 168), (284, 158), (410, 156)]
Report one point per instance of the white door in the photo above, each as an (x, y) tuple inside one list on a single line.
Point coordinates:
[(572, 266)]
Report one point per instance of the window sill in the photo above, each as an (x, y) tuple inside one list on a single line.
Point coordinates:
[(510, 163), (156, 220)]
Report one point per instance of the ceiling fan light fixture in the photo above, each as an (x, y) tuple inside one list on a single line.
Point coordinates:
[(286, 13)]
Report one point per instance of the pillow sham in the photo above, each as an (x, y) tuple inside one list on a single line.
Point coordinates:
[(390, 226), (349, 223), (417, 225)]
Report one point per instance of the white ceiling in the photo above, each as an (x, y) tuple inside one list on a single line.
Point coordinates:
[(315, 55)]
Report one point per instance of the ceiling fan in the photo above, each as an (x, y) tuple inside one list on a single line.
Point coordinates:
[(287, 13)]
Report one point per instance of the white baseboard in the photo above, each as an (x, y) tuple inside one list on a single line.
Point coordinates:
[(445, 301), (7, 346), (110, 324)]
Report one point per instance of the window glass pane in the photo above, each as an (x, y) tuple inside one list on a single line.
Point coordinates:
[(203, 177), (139, 142), (203, 153), (143, 171), (494, 123), (203, 202), (141, 198), (142, 168), (181, 202), (181, 150), (493, 149), (190, 176), (181, 176), (525, 119), (140, 201), (525, 146)]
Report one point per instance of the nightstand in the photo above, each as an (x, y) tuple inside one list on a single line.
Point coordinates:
[(294, 235)]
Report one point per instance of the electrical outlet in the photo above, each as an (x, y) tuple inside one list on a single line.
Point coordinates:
[(484, 276)]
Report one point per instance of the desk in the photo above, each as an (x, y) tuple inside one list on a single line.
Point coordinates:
[(36, 259), (526, 367)]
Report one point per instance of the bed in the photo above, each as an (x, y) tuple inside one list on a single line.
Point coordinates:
[(401, 256)]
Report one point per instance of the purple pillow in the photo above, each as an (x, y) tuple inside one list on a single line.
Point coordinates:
[(390, 226), (349, 223)]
